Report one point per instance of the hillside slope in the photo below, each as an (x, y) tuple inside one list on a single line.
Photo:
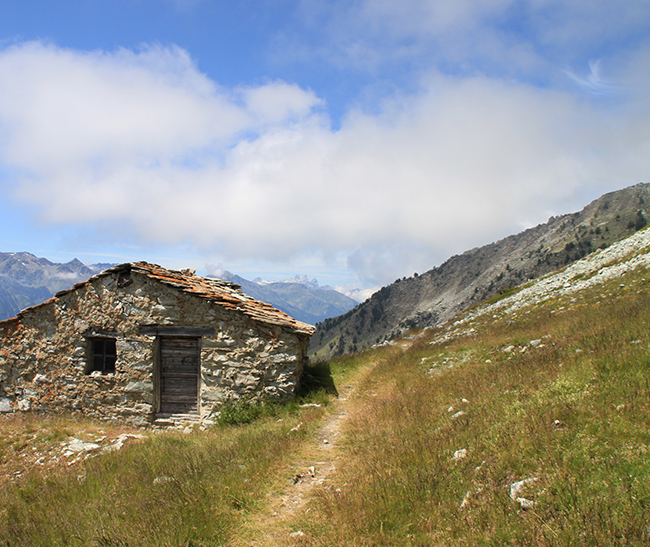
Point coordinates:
[(522, 421), (464, 280)]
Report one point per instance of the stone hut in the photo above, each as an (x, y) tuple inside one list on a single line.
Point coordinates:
[(138, 343)]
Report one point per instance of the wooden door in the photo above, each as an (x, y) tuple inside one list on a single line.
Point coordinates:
[(179, 360)]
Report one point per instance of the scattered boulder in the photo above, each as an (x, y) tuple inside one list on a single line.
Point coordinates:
[(518, 487), (77, 445), (465, 501)]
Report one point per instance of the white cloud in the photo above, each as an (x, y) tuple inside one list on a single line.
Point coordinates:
[(278, 102), (593, 81), (144, 144)]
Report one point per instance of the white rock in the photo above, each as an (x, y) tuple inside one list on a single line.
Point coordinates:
[(517, 487), (77, 445), (525, 504), (24, 405), (119, 442), (40, 379), (460, 454), (465, 501)]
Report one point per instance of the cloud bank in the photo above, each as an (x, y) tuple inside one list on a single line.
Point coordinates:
[(141, 142)]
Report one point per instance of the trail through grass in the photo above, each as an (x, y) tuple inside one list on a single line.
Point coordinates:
[(310, 468)]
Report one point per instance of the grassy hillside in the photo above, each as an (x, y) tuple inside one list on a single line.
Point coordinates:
[(558, 397), (525, 421)]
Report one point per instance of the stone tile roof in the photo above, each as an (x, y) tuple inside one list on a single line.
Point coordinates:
[(225, 294)]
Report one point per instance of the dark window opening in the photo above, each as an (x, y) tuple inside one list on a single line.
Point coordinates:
[(124, 279), (103, 354)]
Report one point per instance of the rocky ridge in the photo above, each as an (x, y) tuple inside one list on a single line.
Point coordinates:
[(436, 296)]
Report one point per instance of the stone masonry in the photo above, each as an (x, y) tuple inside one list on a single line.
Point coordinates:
[(247, 348)]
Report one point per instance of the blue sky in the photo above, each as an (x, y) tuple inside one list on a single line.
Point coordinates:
[(353, 141)]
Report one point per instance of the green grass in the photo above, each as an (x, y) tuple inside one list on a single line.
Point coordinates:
[(173, 489)]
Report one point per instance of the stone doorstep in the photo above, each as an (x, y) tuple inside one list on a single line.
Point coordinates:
[(175, 420)]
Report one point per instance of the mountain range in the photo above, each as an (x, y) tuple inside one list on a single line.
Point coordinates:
[(431, 298)]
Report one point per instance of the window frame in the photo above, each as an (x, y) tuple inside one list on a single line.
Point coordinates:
[(102, 355)]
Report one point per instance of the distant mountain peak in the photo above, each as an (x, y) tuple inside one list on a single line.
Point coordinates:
[(297, 279)]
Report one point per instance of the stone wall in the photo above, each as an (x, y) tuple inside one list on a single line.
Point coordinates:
[(44, 355)]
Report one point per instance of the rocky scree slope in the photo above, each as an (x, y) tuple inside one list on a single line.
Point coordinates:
[(434, 297), (595, 269)]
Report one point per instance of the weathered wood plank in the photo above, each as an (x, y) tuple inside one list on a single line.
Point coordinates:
[(179, 374)]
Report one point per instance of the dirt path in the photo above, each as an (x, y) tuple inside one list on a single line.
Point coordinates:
[(312, 468)]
